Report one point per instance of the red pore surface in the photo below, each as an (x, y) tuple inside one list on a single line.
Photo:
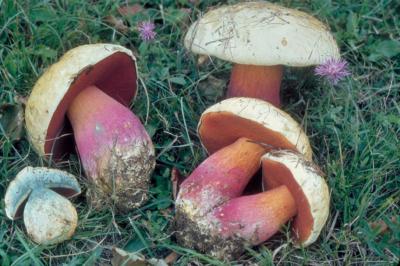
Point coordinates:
[(257, 217), (276, 174), (261, 82), (101, 124), (115, 75), (222, 176), (220, 129)]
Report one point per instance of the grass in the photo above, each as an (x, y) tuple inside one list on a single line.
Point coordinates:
[(354, 127)]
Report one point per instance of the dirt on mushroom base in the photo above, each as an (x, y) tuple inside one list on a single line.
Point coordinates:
[(121, 178), (202, 235)]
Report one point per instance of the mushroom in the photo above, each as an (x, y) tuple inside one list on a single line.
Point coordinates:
[(296, 189), (40, 193), (225, 122), (237, 132), (92, 85), (259, 38)]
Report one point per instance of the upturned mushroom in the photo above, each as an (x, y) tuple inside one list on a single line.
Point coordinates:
[(295, 189), (259, 38), (210, 207), (90, 88), (40, 194)]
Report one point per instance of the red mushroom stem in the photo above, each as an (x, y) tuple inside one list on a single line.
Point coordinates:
[(262, 82), (257, 217), (222, 176), (210, 198), (110, 140)]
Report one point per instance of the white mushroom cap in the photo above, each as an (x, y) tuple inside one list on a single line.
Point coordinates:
[(30, 179), (261, 33), (254, 111), (80, 67), (309, 180), (49, 217)]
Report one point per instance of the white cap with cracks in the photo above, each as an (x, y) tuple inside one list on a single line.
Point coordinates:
[(261, 33)]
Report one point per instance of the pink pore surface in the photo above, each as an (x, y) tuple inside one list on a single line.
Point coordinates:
[(115, 75), (101, 124), (256, 217)]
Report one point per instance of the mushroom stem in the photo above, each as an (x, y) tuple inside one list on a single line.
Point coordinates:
[(257, 217), (111, 142), (262, 82), (222, 176), (212, 216)]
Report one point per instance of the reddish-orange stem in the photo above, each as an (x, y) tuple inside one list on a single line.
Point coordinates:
[(262, 82), (222, 176), (257, 217), (102, 124)]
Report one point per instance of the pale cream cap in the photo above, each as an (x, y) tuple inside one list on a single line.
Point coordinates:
[(261, 33)]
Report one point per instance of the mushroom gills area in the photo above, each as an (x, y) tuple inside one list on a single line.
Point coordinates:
[(115, 75), (262, 82), (222, 176), (275, 175), (115, 150), (221, 129), (257, 217)]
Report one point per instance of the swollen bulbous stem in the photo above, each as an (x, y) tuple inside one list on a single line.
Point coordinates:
[(262, 82), (212, 216), (257, 217), (115, 149), (222, 176)]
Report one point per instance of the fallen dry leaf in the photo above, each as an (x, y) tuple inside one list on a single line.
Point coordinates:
[(176, 179), (130, 10), (202, 60), (121, 257), (12, 121), (381, 225), (171, 258), (212, 88), (117, 23)]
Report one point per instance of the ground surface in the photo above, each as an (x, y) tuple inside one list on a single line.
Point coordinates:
[(354, 127)]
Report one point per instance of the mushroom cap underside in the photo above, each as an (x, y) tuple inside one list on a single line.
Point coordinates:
[(30, 179), (110, 67), (225, 122), (308, 187)]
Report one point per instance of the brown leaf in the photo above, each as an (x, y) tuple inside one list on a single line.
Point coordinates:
[(176, 179), (12, 121), (130, 10), (212, 88), (117, 23), (121, 257), (381, 225), (202, 60), (171, 258)]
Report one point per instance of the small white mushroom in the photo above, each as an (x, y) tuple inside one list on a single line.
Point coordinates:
[(48, 216)]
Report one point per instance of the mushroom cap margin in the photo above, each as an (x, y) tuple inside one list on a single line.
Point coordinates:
[(262, 33), (267, 115), (307, 176)]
